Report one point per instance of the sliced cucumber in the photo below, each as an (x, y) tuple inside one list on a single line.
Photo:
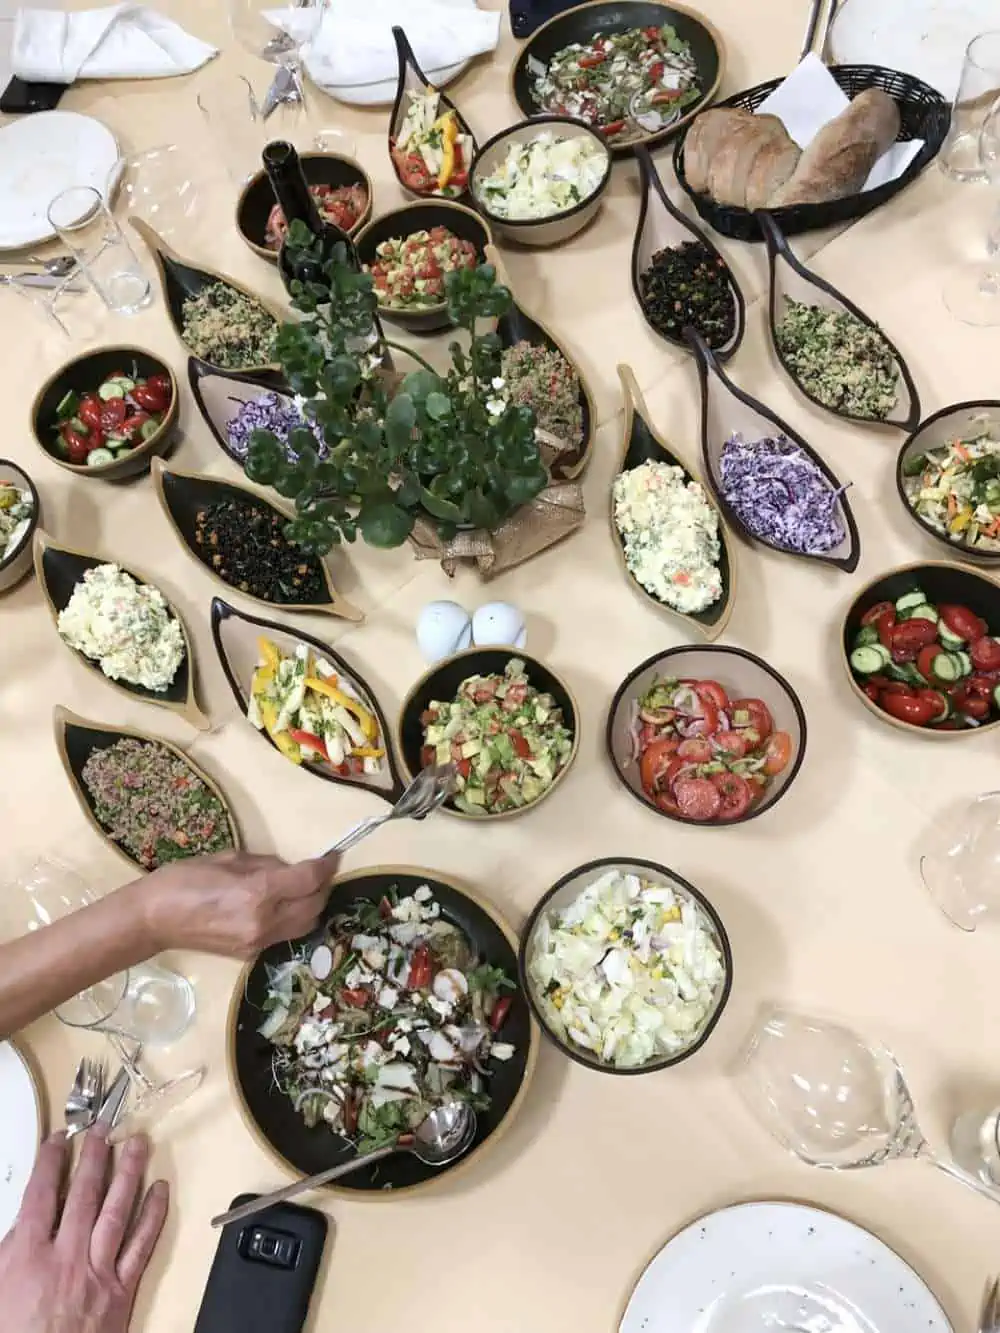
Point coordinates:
[(914, 465), (966, 662), (996, 695), (98, 457), (868, 659), (925, 612), (910, 600), (149, 428), (948, 667), (948, 637), (67, 406), (947, 709), (111, 389), (904, 671), (866, 634)]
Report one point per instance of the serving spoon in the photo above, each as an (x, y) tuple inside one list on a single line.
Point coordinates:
[(439, 1139), (430, 788)]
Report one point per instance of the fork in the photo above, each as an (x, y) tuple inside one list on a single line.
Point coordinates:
[(85, 1097), (988, 1318), (429, 789)]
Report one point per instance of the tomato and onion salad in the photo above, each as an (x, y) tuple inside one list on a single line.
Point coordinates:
[(930, 665), (703, 755), (342, 205), (109, 422)]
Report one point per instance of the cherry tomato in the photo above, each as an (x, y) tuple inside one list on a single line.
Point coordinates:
[(656, 759), (163, 385), (78, 445), (909, 636), (926, 658), (713, 692), (937, 699), (909, 708), (698, 798), (872, 690), (976, 708), (732, 742), (428, 756), (778, 753), (961, 621), (736, 794), (113, 415), (90, 410), (666, 803), (421, 969), (132, 426), (708, 723), (985, 654), (499, 1012), (464, 767), (897, 687), (883, 682), (521, 747), (876, 612), (355, 999), (981, 686), (760, 715), (149, 399), (697, 750)]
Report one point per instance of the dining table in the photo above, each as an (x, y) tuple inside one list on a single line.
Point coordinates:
[(821, 896)]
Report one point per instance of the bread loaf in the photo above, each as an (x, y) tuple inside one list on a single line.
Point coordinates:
[(839, 159), (772, 166), (703, 140), (730, 169)]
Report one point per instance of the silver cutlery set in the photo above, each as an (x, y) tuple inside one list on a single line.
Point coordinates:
[(90, 1103), (34, 272)]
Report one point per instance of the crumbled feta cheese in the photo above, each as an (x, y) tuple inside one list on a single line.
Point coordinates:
[(387, 997), (440, 1007), (403, 1025), (359, 975), (423, 894), (407, 909), (400, 1045), (375, 959), (501, 1050)]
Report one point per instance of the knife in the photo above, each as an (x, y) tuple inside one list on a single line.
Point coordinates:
[(46, 280), (114, 1102)]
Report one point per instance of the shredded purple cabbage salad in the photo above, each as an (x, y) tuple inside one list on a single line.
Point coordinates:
[(781, 495), (273, 412)]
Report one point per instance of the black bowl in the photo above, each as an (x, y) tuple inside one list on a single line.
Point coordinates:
[(15, 567), (608, 16), (957, 422), (442, 683), (270, 1115), (253, 208), (82, 375), (403, 222), (562, 893)]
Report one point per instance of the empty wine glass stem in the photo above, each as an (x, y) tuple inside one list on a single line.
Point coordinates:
[(963, 1177)]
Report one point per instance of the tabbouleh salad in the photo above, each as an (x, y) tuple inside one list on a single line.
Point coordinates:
[(842, 361), (227, 328)]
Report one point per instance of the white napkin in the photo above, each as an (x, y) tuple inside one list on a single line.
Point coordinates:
[(355, 44), (122, 42), (810, 98)]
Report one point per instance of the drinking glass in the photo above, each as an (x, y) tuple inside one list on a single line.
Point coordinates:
[(278, 34), (832, 1100), (973, 294), (166, 187), (961, 867), (978, 89), (81, 218)]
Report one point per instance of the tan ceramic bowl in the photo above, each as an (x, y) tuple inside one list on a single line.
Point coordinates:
[(15, 566)]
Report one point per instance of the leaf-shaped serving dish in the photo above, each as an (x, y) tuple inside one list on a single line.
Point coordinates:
[(219, 395), (662, 226), (641, 444), (237, 637), (183, 495), (727, 410), (59, 570), (77, 739), (790, 280), (518, 326), (412, 79), (180, 279), (254, 206)]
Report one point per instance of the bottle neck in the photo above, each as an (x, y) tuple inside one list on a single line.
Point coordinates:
[(284, 170)]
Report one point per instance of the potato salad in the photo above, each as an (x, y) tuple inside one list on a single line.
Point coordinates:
[(629, 971), (543, 177)]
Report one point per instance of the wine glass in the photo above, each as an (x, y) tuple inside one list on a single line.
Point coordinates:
[(278, 34), (961, 869), (832, 1100), (973, 295)]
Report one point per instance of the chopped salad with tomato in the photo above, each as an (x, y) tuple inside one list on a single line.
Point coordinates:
[(619, 79), (391, 1015), (507, 739), (343, 205), (312, 715), (123, 412), (929, 665), (432, 153), (702, 755), (409, 271)]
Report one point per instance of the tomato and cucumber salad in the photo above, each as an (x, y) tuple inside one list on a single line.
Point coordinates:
[(703, 755), (932, 665), (108, 423)]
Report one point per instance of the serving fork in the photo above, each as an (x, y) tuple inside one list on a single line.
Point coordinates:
[(430, 788), (85, 1097)]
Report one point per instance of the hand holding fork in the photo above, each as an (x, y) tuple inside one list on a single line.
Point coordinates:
[(430, 788)]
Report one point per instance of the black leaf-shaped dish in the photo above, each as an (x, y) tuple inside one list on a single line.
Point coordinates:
[(641, 444), (18, 563), (402, 222), (727, 410), (219, 395), (963, 422), (236, 636), (254, 206), (77, 739), (271, 1117), (583, 22), (662, 226), (180, 279), (790, 280), (59, 570), (518, 326), (183, 495), (412, 79)]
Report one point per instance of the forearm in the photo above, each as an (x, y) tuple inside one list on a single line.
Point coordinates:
[(46, 967)]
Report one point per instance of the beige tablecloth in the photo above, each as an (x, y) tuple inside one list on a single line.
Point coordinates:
[(821, 897)]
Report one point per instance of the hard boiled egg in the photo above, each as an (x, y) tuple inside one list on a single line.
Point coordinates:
[(443, 628), (500, 624)]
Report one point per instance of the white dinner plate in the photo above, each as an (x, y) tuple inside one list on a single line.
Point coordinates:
[(40, 156), (20, 1131), (779, 1268)]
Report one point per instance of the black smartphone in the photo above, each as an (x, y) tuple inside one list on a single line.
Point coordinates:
[(20, 97), (264, 1271)]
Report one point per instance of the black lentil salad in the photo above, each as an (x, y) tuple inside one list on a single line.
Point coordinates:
[(227, 328), (840, 360), (688, 285), (244, 543), (153, 804)]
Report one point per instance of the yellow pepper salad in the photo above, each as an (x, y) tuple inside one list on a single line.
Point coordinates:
[(313, 715), (431, 153)]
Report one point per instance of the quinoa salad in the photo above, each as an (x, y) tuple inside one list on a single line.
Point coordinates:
[(844, 363), (541, 378), (154, 804), (227, 328)]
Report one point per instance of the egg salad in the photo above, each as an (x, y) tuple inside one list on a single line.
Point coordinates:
[(542, 177), (670, 534), (629, 971)]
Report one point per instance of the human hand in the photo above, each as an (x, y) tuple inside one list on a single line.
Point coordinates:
[(78, 1271), (235, 903)]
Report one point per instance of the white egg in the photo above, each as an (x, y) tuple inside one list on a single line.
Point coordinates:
[(443, 628), (499, 623)]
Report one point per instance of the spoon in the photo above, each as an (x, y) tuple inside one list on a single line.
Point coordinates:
[(440, 1139)]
